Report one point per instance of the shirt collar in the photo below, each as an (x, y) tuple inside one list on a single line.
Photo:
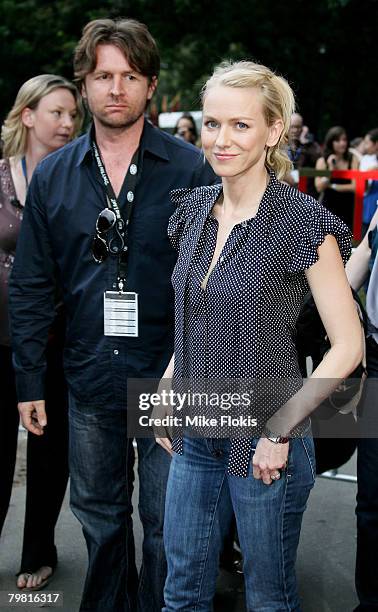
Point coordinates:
[(151, 141)]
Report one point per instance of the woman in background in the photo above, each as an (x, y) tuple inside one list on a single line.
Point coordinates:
[(186, 129), (337, 194), (46, 115)]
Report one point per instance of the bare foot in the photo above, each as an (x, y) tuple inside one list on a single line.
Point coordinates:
[(36, 580)]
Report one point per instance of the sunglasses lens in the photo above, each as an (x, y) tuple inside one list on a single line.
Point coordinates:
[(99, 250), (105, 220)]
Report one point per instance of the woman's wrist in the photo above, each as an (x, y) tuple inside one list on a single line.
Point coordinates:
[(275, 438)]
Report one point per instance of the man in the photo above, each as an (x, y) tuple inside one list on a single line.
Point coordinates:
[(363, 265), (95, 224), (302, 151)]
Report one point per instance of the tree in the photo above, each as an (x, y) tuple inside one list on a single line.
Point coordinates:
[(326, 48)]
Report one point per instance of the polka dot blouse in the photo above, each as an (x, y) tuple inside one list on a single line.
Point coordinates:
[(242, 326)]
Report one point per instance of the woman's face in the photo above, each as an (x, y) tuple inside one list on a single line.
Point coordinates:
[(51, 124), (185, 129), (234, 131), (340, 145)]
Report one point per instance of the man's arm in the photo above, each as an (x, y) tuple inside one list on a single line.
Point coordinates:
[(31, 301), (357, 267)]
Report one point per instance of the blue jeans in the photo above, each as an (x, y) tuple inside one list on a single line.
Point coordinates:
[(101, 468), (201, 496), (367, 491)]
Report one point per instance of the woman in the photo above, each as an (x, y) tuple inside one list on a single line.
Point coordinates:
[(248, 250), (337, 194), (46, 115), (186, 128)]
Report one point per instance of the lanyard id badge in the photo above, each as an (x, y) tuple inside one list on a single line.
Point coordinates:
[(121, 314)]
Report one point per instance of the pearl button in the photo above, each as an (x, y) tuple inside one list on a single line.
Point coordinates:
[(133, 169), (115, 352), (130, 196)]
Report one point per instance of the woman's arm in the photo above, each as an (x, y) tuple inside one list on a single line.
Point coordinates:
[(357, 267), (160, 412), (321, 182), (170, 367), (333, 298)]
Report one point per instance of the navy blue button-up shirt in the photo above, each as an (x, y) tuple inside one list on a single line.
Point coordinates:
[(54, 247)]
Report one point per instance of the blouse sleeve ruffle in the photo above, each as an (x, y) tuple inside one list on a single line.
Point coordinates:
[(321, 224), (183, 215)]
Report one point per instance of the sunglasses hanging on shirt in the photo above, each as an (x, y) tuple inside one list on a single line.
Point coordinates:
[(105, 222), (111, 219)]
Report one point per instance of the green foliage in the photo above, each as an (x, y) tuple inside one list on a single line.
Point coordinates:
[(325, 48)]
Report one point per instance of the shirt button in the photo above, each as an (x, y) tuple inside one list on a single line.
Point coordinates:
[(115, 352), (244, 224), (130, 196)]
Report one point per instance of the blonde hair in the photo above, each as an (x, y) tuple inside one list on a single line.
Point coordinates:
[(14, 132), (277, 100)]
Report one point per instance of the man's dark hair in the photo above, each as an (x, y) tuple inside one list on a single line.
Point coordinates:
[(373, 135), (130, 36)]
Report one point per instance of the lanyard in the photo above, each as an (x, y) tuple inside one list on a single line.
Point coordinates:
[(112, 202)]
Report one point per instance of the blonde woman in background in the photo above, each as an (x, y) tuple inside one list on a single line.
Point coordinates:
[(47, 114), (248, 251)]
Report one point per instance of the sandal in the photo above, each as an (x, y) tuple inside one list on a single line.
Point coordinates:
[(28, 577)]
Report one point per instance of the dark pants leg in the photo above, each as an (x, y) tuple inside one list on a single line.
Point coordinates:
[(367, 494), (101, 500), (153, 469), (47, 472), (8, 430)]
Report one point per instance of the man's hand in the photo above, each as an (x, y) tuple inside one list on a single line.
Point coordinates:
[(33, 416), (269, 459)]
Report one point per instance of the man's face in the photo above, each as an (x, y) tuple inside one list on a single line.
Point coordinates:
[(296, 125), (116, 94)]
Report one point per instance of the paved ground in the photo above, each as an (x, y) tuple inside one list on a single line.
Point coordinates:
[(325, 559)]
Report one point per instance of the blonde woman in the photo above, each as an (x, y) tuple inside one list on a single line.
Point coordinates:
[(47, 114), (247, 252)]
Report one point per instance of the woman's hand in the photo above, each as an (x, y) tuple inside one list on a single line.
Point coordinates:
[(331, 161), (162, 433), (269, 459)]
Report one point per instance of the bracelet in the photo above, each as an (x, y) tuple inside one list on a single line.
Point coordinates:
[(276, 439)]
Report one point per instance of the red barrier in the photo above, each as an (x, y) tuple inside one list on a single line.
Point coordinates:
[(360, 178)]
